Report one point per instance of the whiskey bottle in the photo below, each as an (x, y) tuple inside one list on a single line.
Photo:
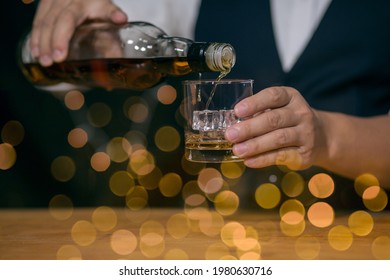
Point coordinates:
[(136, 56)]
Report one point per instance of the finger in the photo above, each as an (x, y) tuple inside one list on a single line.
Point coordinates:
[(43, 8), (269, 98), (68, 21), (261, 124), (47, 29), (61, 35), (282, 138), (289, 157)]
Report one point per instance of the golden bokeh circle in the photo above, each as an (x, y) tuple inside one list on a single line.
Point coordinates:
[(226, 203), (292, 184), (178, 226), (176, 254), (74, 100), (83, 233), (68, 252), (7, 156), (121, 182), (166, 94), (99, 114), (100, 161), (12, 133), (170, 184), (292, 212), (123, 242), (380, 247), (360, 223), (63, 168), (61, 207), (363, 181), (104, 218), (267, 196), (307, 247), (167, 138), (210, 180), (340, 238), (375, 198), (321, 185), (321, 214), (77, 138)]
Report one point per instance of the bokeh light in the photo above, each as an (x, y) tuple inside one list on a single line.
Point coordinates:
[(116, 149), (136, 109), (123, 242), (360, 223), (83, 233), (375, 198), (104, 218), (364, 181), (176, 254), (100, 161), (267, 196), (121, 182), (151, 180), (292, 229), (210, 180), (61, 207), (142, 162), (74, 100), (340, 238), (7, 156), (231, 231), (77, 137), (137, 198), (320, 214), (321, 185), (152, 239), (166, 94), (307, 247), (217, 251), (170, 184), (211, 223), (292, 184), (63, 168), (292, 212), (226, 203), (232, 170), (178, 226), (381, 247), (12, 133), (167, 138), (99, 114), (69, 252)]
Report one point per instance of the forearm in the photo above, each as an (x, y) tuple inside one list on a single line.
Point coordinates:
[(356, 145)]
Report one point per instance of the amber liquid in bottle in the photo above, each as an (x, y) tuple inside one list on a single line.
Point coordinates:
[(125, 73)]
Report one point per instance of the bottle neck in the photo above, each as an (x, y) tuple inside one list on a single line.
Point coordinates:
[(215, 57)]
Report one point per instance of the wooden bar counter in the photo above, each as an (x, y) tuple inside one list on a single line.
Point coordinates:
[(155, 233)]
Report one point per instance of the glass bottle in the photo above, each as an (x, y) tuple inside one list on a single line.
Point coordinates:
[(136, 56)]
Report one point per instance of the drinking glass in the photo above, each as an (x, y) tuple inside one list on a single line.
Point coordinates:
[(208, 110)]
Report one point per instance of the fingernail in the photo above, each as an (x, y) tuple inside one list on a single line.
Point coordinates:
[(241, 109), (232, 134), (57, 55), (240, 149), (35, 52), (45, 60)]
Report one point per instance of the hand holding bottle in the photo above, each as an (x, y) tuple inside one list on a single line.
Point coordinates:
[(56, 20)]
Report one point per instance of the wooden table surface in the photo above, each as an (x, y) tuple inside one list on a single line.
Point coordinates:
[(107, 233)]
